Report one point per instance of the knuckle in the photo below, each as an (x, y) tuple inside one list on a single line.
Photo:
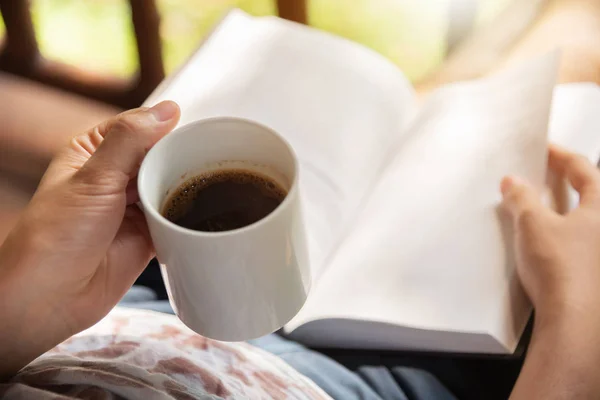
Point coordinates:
[(95, 182), (595, 180), (82, 143), (516, 194), (87, 174), (129, 124), (576, 162), (593, 190), (122, 126), (527, 218)]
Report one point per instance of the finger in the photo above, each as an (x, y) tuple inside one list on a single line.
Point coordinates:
[(581, 174), (78, 152), (123, 143), (130, 251), (520, 199)]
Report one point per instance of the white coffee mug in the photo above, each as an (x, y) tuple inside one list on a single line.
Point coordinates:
[(231, 285)]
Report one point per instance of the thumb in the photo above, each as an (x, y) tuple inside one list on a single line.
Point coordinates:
[(520, 199), (123, 143)]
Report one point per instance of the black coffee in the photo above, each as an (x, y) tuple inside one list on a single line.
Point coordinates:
[(223, 200)]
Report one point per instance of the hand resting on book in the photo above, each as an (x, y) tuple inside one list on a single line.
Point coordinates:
[(558, 261), (558, 255)]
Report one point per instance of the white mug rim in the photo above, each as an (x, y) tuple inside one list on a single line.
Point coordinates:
[(291, 193)]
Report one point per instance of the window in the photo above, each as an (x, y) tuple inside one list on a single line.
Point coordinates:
[(489, 9), (2, 28), (96, 36), (411, 33), (184, 23)]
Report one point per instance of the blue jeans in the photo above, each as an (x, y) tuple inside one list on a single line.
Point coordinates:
[(367, 383)]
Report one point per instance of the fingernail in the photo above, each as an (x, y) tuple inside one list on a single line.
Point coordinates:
[(164, 111)]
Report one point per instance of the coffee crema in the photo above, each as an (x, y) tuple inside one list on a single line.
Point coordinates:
[(223, 200)]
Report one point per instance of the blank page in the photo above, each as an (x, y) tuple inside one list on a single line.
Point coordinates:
[(428, 250)]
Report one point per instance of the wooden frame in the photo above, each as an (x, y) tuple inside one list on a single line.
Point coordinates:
[(20, 55)]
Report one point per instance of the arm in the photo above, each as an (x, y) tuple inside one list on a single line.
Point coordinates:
[(563, 358), (528, 29), (558, 261), (28, 144)]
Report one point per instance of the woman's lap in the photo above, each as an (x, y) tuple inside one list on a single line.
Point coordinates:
[(368, 382)]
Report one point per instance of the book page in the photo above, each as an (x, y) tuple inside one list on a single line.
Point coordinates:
[(341, 107), (428, 250)]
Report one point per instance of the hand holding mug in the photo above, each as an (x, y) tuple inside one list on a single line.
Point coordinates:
[(82, 241)]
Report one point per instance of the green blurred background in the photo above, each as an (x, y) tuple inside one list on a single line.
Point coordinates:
[(97, 35)]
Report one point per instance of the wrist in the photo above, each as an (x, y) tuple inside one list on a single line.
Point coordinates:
[(27, 313), (579, 306), (562, 356), (570, 327)]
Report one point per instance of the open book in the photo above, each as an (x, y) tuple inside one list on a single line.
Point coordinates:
[(407, 248)]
